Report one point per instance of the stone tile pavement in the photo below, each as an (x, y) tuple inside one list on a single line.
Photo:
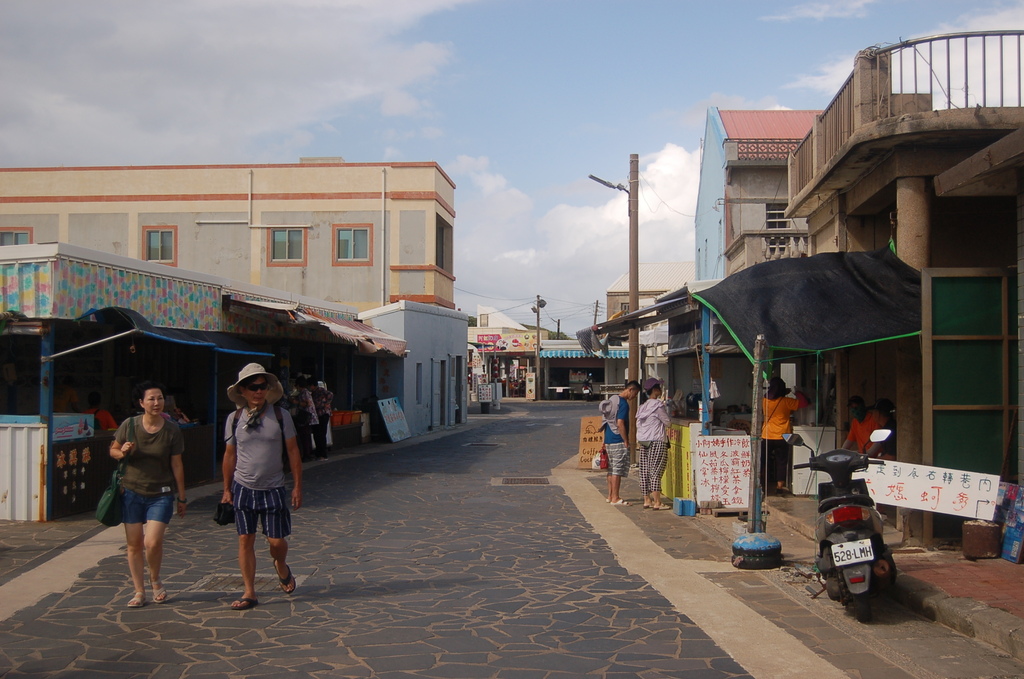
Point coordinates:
[(415, 560)]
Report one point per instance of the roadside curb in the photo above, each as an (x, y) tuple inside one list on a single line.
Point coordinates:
[(971, 618)]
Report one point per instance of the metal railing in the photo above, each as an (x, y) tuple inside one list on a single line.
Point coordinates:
[(937, 73)]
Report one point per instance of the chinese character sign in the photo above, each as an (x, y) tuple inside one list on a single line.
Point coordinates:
[(971, 495), (721, 468), (591, 440), (394, 419)]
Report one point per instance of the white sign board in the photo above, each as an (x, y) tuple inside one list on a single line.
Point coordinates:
[(721, 468), (933, 489), (394, 419)]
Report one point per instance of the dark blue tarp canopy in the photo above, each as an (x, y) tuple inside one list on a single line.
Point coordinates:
[(819, 303)]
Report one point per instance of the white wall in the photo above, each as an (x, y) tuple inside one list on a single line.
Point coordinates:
[(436, 338)]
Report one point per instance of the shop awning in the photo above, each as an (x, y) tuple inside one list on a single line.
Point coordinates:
[(225, 344), (366, 338), (126, 319), (131, 322), (579, 353), (828, 301), (677, 301)]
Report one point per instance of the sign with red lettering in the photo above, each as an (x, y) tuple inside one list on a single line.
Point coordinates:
[(394, 419), (971, 495), (721, 469)]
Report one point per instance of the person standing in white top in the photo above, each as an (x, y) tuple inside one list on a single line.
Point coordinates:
[(652, 418)]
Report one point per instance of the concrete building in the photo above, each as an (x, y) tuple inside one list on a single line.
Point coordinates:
[(433, 380), (364, 234), (742, 197), (921, 148)]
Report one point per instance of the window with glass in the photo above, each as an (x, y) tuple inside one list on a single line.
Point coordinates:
[(775, 216), (14, 238), (286, 245), (352, 244), (160, 245)]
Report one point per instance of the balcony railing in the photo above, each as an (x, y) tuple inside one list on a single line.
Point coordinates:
[(937, 73)]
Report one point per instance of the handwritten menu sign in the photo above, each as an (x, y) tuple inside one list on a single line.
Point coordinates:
[(721, 466), (933, 489), (394, 419), (591, 440)]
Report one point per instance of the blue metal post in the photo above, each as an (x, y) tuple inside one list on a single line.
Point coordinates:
[(705, 358), (48, 343)]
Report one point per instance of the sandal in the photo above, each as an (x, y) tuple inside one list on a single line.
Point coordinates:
[(621, 503), (159, 593), (244, 604), (138, 601), (287, 582)]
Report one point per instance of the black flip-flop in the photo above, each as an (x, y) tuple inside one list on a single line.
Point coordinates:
[(290, 580), (244, 604)]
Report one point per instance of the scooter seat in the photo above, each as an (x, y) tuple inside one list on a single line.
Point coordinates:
[(833, 502)]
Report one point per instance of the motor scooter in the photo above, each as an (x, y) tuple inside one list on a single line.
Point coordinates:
[(852, 556), (588, 391)]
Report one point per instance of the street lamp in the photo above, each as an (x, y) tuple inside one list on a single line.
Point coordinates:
[(536, 342), (634, 278)]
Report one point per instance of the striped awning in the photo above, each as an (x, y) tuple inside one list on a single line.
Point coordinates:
[(579, 353)]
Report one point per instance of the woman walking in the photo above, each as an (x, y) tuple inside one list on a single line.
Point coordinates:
[(652, 441), (154, 485)]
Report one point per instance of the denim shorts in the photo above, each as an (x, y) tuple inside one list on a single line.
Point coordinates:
[(137, 508)]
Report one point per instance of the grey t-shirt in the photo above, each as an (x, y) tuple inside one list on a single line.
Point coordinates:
[(258, 449)]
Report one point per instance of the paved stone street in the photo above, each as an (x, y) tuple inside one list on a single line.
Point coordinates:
[(461, 554)]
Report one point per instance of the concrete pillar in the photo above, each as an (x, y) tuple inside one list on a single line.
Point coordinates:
[(913, 244)]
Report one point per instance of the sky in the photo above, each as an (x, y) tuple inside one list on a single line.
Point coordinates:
[(518, 101)]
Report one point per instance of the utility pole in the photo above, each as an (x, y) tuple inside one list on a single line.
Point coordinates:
[(596, 303), (634, 292), (558, 332), (538, 383)]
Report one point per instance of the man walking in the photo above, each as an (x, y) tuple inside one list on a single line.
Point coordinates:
[(258, 436), (615, 411)]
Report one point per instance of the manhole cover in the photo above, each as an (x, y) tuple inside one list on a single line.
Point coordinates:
[(525, 481)]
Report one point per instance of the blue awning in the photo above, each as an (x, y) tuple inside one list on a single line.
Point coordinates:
[(579, 353)]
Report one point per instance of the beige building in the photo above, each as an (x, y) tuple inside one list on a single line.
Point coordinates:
[(364, 234)]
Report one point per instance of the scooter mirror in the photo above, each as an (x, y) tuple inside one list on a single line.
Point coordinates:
[(880, 435), (793, 439)]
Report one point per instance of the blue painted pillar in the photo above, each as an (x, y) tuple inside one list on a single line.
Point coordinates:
[(705, 358), (48, 342)]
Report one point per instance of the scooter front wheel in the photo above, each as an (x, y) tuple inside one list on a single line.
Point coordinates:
[(862, 607)]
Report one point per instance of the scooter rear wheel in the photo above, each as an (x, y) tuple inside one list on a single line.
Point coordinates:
[(862, 607)]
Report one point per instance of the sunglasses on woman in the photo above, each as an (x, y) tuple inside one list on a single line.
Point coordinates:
[(258, 386)]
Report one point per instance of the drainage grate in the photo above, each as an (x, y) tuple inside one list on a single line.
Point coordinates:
[(404, 474), (529, 480), (480, 445)]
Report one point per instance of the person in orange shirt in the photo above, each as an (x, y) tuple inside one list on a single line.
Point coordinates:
[(104, 420), (778, 406), (862, 423)]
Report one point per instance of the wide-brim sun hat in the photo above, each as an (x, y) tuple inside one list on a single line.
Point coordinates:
[(274, 393)]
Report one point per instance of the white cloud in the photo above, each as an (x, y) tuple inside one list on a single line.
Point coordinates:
[(819, 11), (828, 77), (149, 81), (572, 252)]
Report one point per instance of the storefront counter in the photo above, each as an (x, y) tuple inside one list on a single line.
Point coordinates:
[(82, 468)]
